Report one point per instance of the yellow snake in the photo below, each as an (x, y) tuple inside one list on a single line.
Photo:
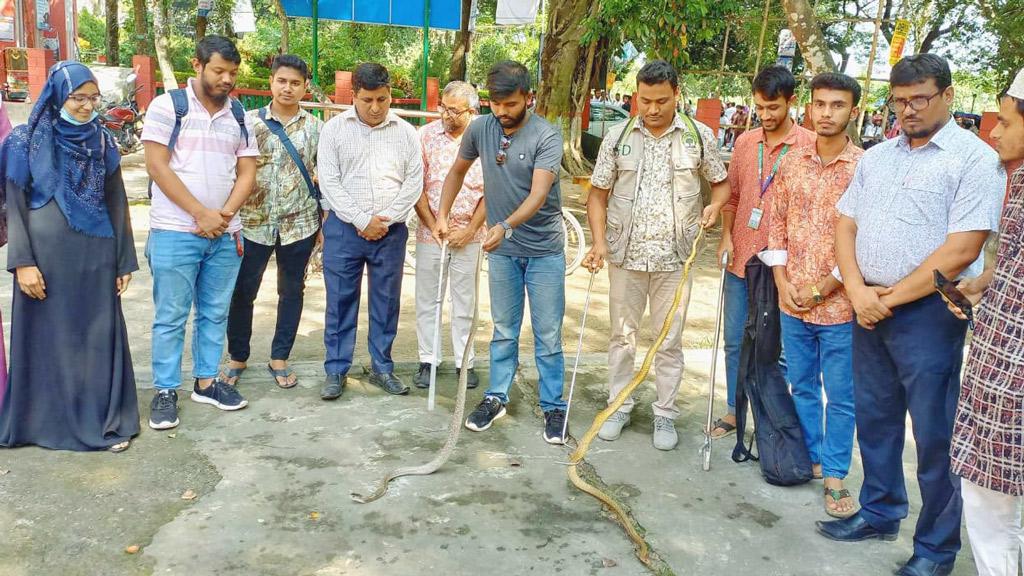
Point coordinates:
[(456, 422), (642, 550)]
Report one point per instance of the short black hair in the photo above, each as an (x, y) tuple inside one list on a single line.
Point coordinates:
[(506, 78), (1019, 102), (289, 61), (775, 82), (370, 76), (211, 45), (658, 72), (630, 96), (919, 68), (836, 81)]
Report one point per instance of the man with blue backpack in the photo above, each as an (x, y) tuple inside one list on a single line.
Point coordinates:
[(281, 217), (201, 156)]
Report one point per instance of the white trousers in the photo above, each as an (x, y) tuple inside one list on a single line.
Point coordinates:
[(461, 272), (994, 527)]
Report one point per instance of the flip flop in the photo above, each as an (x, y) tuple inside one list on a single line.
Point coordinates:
[(836, 496), (286, 373), (722, 424), (230, 373)]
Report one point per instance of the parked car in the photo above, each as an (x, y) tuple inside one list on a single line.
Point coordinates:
[(603, 116)]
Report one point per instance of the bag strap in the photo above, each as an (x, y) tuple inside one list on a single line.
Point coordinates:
[(695, 132), (179, 99), (625, 133), (238, 111), (278, 130)]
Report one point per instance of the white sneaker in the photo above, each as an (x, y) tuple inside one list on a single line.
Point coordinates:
[(612, 427), (665, 437)]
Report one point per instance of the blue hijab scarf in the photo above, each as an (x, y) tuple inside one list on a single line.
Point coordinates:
[(55, 159)]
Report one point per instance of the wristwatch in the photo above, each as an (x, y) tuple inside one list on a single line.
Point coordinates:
[(507, 227), (818, 298)]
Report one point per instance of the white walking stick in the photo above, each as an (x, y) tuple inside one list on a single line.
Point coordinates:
[(706, 448), (437, 327), (579, 350)]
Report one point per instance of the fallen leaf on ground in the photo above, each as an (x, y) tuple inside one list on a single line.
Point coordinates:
[(189, 495), (314, 515), (4, 472), (609, 563), (133, 549), (172, 435)]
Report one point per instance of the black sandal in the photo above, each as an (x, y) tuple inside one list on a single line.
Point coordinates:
[(722, 424), (285, 373)]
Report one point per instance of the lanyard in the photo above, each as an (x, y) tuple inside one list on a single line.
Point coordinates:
[(760, 167)]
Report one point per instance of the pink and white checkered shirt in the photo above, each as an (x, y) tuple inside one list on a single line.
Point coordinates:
[(439, 153)]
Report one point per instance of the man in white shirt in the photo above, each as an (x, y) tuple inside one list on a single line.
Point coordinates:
[(370, 166)]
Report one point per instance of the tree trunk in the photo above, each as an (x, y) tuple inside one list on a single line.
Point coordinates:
[(284, 25), (162, 36), (113, 48), (566, 71), (802, 21), (457, 70), (201, 22), (141, 43)]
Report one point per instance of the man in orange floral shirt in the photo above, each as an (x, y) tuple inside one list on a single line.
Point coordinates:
[(744, 220), (817, 317)]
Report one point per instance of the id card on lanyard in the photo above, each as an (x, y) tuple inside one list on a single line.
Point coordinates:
[(758, 212)]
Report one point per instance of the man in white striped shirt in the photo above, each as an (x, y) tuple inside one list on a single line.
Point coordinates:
[(370, 167)]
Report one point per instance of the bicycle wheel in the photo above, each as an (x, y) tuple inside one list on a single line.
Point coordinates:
[(575, 242), (410, 244)]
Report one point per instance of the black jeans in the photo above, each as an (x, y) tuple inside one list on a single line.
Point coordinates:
[(291, 283)]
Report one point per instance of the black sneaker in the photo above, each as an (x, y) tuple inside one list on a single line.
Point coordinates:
[(163, 410), (554, 422), (422, 378), (472, 380), (219, 394), (487, 411)]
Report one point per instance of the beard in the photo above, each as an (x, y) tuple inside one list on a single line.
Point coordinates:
[(513, 122), (925, 131), (211, 92), (451, 126)]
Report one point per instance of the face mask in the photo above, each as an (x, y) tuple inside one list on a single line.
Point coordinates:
[(67, 117)]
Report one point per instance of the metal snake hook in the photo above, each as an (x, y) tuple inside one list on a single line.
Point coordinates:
[(439, 303), (579, 350), (706, 448)]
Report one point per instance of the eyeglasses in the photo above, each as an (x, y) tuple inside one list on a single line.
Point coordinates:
[(502, 155), (444, 110), (916, 104), (82, 99)]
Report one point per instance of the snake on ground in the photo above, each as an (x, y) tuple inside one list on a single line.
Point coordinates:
[(456, 422), (642, 549)]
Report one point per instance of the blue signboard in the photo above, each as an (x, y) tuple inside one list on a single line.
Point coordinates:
[(444, 14)]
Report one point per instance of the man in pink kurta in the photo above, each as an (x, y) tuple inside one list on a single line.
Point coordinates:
[(440, 142)]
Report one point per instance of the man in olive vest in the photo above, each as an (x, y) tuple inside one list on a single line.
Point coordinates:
[(645, 209)]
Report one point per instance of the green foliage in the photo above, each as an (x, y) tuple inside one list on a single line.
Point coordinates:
[(92, 29)]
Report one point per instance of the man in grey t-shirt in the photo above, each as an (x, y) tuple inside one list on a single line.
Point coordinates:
[(520, 154)]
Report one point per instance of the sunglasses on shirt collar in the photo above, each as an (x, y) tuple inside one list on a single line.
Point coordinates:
[(503, 146)]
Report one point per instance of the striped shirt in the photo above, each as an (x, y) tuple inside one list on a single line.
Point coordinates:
[(204, 157), (907, 201), (369, 171)]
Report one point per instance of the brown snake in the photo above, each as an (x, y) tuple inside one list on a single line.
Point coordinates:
[(453, 427), (642, 549)]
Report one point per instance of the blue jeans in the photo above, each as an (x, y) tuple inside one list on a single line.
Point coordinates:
[(345, 257), (735, 317), (822, 356), (188, 269), (910, 363), (542, 279)]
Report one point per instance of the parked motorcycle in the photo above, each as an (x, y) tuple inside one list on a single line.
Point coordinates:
[(124, 122)]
